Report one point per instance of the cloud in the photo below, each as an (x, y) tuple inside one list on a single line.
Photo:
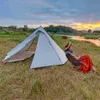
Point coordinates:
[(46, 12)]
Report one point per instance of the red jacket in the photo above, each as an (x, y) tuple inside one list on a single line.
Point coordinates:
[(86, 64)]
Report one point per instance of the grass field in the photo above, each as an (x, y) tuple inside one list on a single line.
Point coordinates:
[(19, 82), (91, 36)]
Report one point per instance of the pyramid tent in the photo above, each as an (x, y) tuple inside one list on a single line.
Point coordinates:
[(47, 52)]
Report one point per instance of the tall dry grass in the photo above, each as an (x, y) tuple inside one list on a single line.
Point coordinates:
[(19, 82)]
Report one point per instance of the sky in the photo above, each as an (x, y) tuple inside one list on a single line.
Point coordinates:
[(78, 14)]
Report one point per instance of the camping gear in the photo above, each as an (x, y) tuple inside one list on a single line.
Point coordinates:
[(47, 52), (86, 64)]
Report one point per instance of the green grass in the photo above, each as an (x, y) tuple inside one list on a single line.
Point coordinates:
[(19, 82), (91, 36)]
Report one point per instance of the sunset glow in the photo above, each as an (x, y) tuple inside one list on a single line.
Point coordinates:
[(80, 15), (78, 26), (86, 26)]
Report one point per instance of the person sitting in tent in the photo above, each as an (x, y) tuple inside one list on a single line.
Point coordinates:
[(83, 63)]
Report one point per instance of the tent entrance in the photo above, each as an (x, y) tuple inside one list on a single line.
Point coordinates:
[(20, 56)]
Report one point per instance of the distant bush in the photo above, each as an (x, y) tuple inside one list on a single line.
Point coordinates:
[(5, 33), (92, 36), (60, 29), (64, 37)]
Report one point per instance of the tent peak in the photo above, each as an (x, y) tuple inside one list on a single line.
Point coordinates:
[(40, 27)]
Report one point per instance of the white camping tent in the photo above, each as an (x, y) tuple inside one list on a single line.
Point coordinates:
[(47, 52)]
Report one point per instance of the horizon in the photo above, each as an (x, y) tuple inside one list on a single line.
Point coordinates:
[(50, 25), (78, 14)]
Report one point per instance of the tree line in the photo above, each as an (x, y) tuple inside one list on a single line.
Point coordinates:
[(51, 29)]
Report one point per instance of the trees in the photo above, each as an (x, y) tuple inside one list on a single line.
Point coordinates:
[(96, 31), (89, 31), (52, 29), (25, 28), (60, 29), (12, 28)]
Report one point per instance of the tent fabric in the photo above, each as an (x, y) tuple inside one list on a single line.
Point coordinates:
[(20, 56), (47, 52), (58, 50), (24, 45)]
